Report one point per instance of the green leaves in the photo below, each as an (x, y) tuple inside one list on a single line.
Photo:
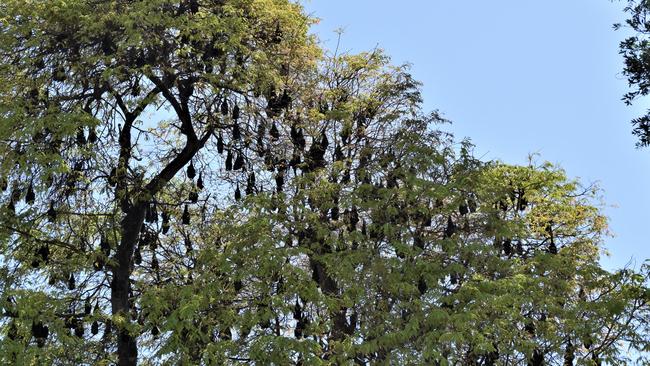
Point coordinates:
[(635, 54), (366, 234)]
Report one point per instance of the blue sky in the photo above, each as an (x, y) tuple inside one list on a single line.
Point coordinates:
[(520, 77)]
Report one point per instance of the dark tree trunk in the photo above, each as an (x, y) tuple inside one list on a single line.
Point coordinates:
[(328, 286), (127, 348), (492, 358), (569, 354), (537, 359)]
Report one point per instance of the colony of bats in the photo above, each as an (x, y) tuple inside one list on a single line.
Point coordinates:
[(306, 161), (304, 158)]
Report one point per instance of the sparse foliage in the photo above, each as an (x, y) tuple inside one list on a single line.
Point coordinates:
[(636, 54)]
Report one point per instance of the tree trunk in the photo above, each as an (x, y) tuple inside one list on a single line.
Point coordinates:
[(537, 359), (127, 348), (569, 354)]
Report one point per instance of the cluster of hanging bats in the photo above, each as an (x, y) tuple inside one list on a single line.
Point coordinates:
[(306, 160), (310, 160), (40, 331)]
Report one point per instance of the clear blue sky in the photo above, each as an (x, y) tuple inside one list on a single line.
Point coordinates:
[(520, 77)]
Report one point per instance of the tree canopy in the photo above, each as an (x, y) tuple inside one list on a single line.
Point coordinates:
[(198, 182)]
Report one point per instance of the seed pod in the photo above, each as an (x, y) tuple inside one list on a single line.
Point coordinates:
[(186, 216), (3, 184), (191, 172), (154, 263)]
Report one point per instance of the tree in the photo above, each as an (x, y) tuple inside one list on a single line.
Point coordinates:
[(416, 254), (79, 78), (287, 208), (636, 52)]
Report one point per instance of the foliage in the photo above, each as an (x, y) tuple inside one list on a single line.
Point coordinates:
[(636, 53), (196, 183)]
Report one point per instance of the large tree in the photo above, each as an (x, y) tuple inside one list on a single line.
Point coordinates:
[(104, 103), (194, 183)]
